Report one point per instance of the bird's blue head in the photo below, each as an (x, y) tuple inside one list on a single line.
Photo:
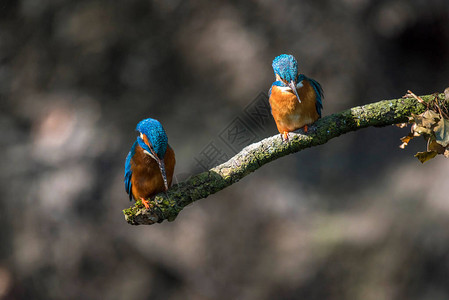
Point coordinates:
[(286, 66), (152, 134)]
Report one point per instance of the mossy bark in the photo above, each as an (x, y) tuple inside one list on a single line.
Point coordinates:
[(166, 206)]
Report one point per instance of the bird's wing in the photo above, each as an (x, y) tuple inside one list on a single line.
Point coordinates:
[(128, 170), (318, 91)]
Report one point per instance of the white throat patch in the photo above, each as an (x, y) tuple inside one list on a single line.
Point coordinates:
[(151, 155), (284, 88)]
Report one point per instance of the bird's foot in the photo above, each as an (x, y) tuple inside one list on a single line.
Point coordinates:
[(305, 128), (146, 203), (285, 136)]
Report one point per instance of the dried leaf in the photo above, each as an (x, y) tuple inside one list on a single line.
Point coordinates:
[(425, 156), (432, 125), (429, 114), (442, 132), (434, 146), (416, 118), (446, 94), (405, 140), (413, 131), (420, 130), (401, 125), (429, 118)]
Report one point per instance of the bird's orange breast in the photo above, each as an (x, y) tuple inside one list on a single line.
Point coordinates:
[(287, 112), (146, 176)]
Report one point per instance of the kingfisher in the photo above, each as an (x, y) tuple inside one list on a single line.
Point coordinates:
[(296, 100), (150, 163)]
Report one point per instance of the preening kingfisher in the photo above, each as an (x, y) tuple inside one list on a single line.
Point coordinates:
[(150, 163), (296, 100)]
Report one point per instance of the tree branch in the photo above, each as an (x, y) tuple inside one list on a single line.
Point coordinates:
[(168, 205)]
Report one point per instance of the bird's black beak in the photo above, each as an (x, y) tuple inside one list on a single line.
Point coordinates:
[(159, 161), (292, 85), (164, 175)]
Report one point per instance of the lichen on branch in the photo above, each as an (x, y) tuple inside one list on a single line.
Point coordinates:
[(166, 206)]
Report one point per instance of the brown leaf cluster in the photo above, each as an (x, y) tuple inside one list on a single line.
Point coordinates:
[(433, 125)]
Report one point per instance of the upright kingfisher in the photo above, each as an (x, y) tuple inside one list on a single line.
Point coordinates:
[(150, 163), (296, 101)]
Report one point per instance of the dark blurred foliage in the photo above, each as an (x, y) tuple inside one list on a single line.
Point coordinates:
[(356, 218)]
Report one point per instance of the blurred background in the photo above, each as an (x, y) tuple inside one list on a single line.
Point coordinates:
[(356, 218)]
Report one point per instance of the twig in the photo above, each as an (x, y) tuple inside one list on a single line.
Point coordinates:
[(420, 100)]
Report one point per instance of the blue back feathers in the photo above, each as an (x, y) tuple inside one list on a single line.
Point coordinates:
[(286, 66), (128, 171), (156, 136), (318, 91)]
